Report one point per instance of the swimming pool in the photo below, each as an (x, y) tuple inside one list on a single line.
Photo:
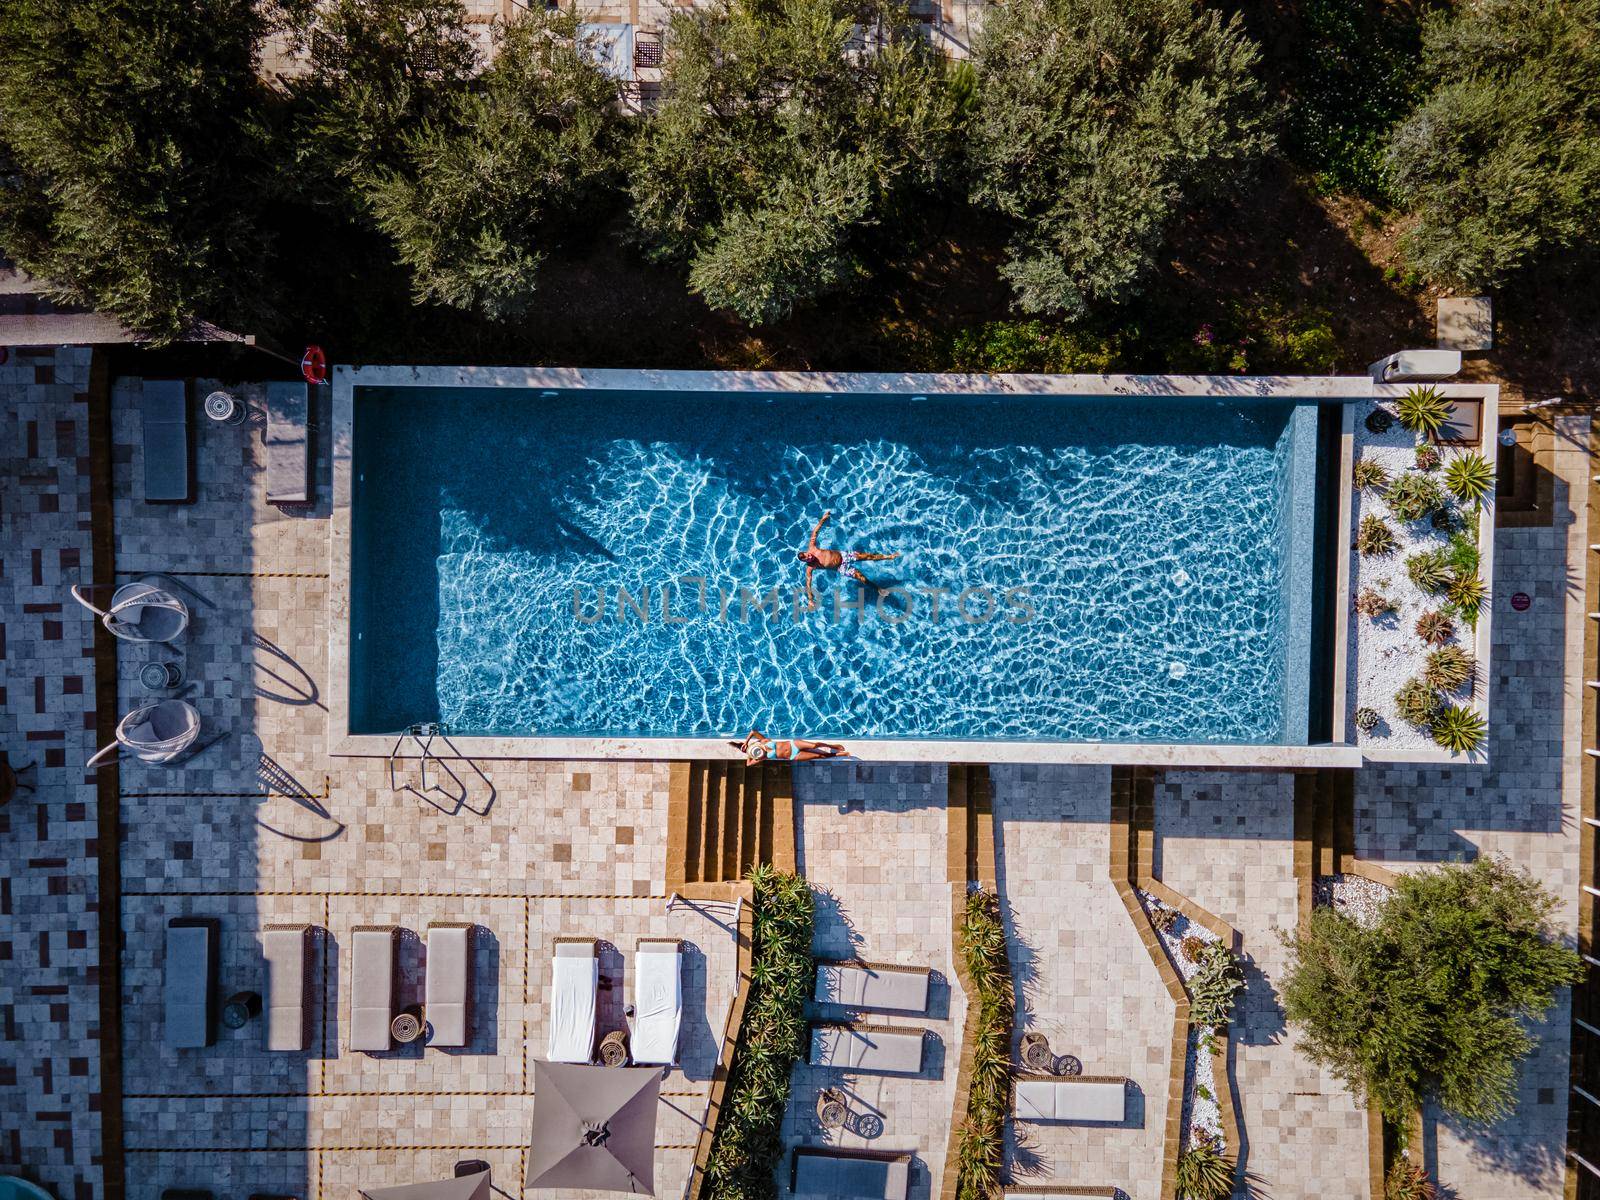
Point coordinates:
[(609, 563)]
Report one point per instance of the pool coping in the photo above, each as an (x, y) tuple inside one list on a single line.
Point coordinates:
[(346, 378)]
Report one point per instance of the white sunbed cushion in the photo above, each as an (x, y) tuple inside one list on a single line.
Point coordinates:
[(895, 1052), (285, 953), (857, 986), (371, 988), (574, 983), (1071, 1100), (658, 1004), (449, 981)]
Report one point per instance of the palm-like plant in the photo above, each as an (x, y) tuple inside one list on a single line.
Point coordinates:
[(1448, 668), (1423, 410), (1466, 594), (1413, 496), (1203, 1174), (1373, 603), (1375, 537), (983, 953), (1429, 569), (1470, 477), (1407, 1181), (1458, 729)]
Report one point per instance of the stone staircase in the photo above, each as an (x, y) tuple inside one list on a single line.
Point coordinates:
[(722, 819)]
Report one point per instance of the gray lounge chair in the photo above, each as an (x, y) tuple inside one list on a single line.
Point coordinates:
[(1088, 1098), (448, 997), (873, 985), (879, 1048), (164, 407), (861, 1173), (285, 948), (189, 980), (288, 443), (372, 950)]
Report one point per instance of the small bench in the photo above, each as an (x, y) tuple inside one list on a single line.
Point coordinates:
[(880, 1048), (872, 985), (288, 442), (448, 995), (372, 949), (1096, 1098), (164, 412), (190, 981), (860, 1173), (285, 948)]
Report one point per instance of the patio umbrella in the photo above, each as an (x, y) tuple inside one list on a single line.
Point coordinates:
[(594, 1127), (464, 1187)]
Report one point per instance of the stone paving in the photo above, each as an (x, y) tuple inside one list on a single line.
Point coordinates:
[(872, 840), (1083, 977)]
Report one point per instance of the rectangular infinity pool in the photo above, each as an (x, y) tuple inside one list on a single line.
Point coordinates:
[(618, 564)]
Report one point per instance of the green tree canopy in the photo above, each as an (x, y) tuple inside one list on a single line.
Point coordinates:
[(132, 141), (1501, 164), (376, 70), (506, 172), (782, 159), (1431, 1003), (1097, 123)]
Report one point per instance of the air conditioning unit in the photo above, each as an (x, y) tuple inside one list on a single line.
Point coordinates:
[(1408, 366)]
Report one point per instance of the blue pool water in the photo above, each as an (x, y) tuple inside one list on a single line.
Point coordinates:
[(603, 563)]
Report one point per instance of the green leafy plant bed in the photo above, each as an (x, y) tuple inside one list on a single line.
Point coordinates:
[(988, 967), (748, 1145)]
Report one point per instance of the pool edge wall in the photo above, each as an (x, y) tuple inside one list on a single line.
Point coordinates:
[(1305, 393)]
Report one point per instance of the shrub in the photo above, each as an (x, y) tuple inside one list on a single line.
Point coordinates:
[(1428, 457), (1375, 537), (1163, 918), (1366, 719), (1193, 947), (1423, 410), (1213, 987), (1462, 553), (1368, 473), (1374, 604), (1416, 702), (748, 1143), (1435, 628), (1429, 569), (1501, 163), (1379, 421), (1448, 668), (1203, 1174), (1431, 1002), (1407, 1181), (1033, 346), (1466, 594), (1470, 478), (1458, 729), (983, 951), (1094, 154)]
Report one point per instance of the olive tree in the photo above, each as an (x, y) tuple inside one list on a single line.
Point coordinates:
[(513, 163), (792, 137), (131, 156), (1431, 1002), (1501, 163), (1097, 123)]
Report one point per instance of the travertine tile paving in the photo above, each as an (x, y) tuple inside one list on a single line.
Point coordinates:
[(1083, 977), (1225, 839)]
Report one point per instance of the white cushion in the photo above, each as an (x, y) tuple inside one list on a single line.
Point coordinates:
[(574, 983), (371, 988), (285, 954), (856, 986), (840, 1173), (1071, 1100), (657, 1002), (449, 983), (867, 1049)]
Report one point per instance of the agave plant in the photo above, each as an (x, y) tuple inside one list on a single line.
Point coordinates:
[(1373, 603), (1416, 702), (1369, 474), (1470, 478), (1430, 569), (1366, 719), (1448, 667), (1435, 628), (1413, 496), (1203, 1174), (1379, 421), (1428, 457), (979, 1152), (1423, 410), (1213, 986), (1466, 594), (1375, 537), (1458, 729)]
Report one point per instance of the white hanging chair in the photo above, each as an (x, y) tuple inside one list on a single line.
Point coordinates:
[(140, 612), (155, 733)]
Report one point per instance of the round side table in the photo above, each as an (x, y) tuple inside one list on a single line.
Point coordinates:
[(1036, 1054), (614, 1049), (405, 1028), (831, 1110), (239, 1008), (1068, 1064)]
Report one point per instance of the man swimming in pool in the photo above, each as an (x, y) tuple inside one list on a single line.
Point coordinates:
[(817, 558)]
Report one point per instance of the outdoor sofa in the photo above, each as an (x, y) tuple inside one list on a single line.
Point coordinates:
[(868, 1175), (873, 985), (448, 992), (857, 1047)]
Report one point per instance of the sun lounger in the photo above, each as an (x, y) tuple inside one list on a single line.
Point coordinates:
[(164, 407), (189, 970), (285, 948), (371, 985), (879, 1048), (574, 987), (861, 1173), (1060, 1192), (657, 1000), (1097, 1098), (873, 985), (288, 442), (449, 987)]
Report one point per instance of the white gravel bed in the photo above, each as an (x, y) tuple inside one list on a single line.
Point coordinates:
[(1386, 651), (1200, 1111), (1359, 899)]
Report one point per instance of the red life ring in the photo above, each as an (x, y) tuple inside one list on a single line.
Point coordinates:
[(314, 365)]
